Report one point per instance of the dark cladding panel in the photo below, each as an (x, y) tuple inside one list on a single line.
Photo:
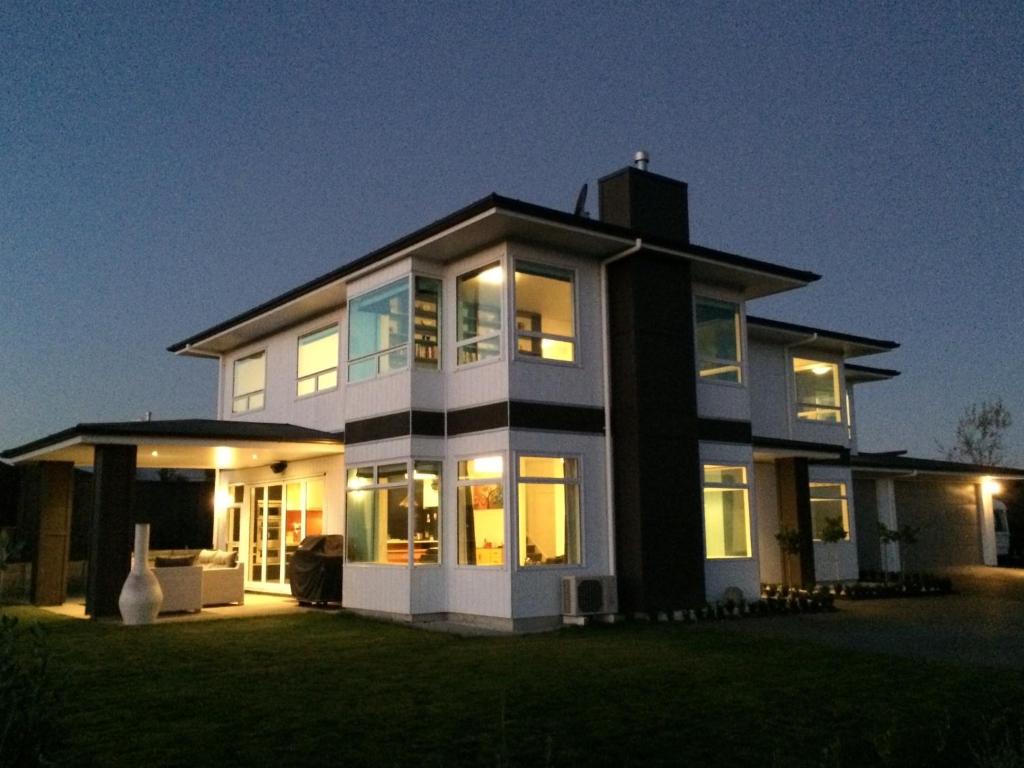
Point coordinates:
[(658, 500), (46, 498), (652, 205)]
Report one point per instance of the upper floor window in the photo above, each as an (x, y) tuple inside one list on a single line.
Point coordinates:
[(380, 326), (726, 512), (545, 313), (250, 376), (318, 361), (719, 343), (378, 331), (828, 507), (549, 511), (817, 390), (478, 295)]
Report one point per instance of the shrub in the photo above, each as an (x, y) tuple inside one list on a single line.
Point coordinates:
[(28, 698)]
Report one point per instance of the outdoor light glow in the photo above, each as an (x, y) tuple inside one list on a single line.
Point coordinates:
[(255, 455), (221, 500), (990, 486), (494, 276), (223, 456), (154, 453)]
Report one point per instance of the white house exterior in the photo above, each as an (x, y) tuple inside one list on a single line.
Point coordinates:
[(520, 395)]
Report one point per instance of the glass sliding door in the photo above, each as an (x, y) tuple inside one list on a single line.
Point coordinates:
[(282, 515)]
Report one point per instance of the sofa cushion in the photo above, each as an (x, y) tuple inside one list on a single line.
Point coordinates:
[(205, 557), (224, 559), (175, 562)]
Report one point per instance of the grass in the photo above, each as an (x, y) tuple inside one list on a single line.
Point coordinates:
[(329, 689)]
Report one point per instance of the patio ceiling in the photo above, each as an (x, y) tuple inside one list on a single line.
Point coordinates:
[(185, 444)]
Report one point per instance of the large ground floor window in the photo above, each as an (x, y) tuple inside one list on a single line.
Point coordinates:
[(379, 520), (549, 511), (726, 511), (481, 511)]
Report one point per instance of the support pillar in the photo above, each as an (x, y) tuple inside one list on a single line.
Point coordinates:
[(795, 512), (47, 490), (110, 537)]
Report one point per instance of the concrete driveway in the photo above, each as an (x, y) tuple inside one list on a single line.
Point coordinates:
[(983, 623)]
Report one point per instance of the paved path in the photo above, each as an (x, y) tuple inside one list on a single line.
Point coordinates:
[(982, 624)]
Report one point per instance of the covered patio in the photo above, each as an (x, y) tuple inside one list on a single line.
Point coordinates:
[(115, 451)]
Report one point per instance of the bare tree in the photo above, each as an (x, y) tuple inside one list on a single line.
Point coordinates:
[(979, 434)]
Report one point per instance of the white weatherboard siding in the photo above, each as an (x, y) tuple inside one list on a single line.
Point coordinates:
[(323, 410), (741, 572), (769, 555)]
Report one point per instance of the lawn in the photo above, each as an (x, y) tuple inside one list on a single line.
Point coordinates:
[(330, 689)]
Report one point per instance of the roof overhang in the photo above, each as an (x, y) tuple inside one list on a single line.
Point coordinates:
[(771, 449), (862, 374), (841, 344), (178, 447), (898, 466), (491, 220)]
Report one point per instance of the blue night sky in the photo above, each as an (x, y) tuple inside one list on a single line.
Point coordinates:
[(165, 166)]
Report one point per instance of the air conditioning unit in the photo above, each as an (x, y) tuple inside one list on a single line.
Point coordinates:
[(589, 595)]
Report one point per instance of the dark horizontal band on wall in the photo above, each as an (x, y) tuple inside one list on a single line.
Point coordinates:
[(724, 431), (517, 414)]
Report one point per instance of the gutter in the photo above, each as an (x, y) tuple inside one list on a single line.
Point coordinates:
[(609, 452)]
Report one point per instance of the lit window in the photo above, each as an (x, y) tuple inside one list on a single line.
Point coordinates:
[(378, 331), (318, 361), (718, 340), (481, 512), (377, 514), (828, 502), (249, 383), (549, 511), (427, 322), (544, 313), (817, 390), (478, 295), (726, 514)]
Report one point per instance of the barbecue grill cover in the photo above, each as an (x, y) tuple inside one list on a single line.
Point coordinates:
[(316, 569)]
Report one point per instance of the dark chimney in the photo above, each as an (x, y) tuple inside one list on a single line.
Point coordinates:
[(653, 205)]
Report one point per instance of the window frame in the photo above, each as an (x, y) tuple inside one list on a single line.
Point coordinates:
[(843, 498), (539, 271), (315, 376), (745, 487), (500, 263), (838, 408), (262, 353), (577, 482), (501, 480), (412, 362), (741, 340)]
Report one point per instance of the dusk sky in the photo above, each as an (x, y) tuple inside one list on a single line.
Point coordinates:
[(165, 166)]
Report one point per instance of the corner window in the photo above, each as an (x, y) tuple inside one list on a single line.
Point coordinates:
[(828, 502), (377, 515), (318, 361), (378, 331), (549, 511), (726, 512), (719, 343), (248, 391), (427, 322), (478, 296), (545, 313), (817, 390), (481, 506)]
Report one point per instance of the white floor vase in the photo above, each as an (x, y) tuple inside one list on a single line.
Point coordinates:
[(141, 595)]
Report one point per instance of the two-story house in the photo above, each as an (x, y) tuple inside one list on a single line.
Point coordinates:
[(514, 395)]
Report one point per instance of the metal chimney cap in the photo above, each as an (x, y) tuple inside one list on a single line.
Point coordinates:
[(640, 159)]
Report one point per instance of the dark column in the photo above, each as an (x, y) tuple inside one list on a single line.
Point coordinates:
[(659, 527), (795, 512), (46, 494), (110, 540)]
